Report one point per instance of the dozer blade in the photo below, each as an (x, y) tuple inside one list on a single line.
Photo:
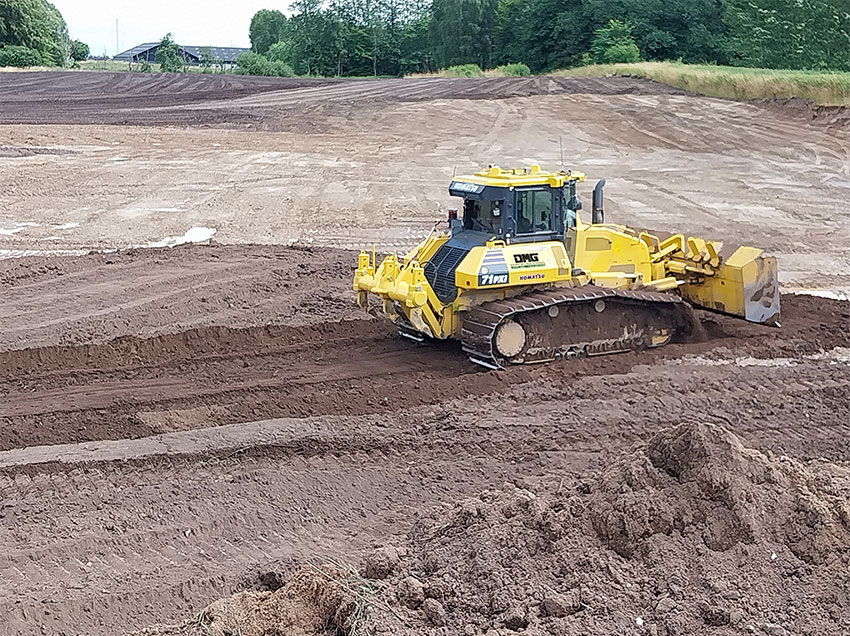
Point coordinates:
[(746, 285), (574, 322)]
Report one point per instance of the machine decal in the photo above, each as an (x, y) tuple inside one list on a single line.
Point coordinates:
[(494, 269), (532, 277), (527, 258), (462, 186), (492, 279)]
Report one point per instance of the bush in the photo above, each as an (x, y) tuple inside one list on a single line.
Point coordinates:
[(623, 53), (464, 70), (145, 67), (282, 69), (19, 56), (256, 64), (614, 43), (79, 51), (514, 70), (252, 64)]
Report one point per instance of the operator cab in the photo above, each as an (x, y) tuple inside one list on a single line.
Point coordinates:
[(515, 206)]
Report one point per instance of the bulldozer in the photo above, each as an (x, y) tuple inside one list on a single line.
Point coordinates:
[(518, 277)]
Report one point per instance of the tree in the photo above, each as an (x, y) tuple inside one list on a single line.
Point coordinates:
[(168, 55), (614, 43), (317, 39), (79, 51), (207, 60), (21, 56), (267, 28), (36, 25), (798, 34), (691, 30), (462, 31)]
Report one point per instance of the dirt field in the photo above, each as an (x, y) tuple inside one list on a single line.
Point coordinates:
[(349, 164), (178, 425)]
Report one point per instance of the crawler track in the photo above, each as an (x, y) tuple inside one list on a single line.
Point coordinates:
[(632, 321)]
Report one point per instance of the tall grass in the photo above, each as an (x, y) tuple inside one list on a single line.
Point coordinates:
[(828, 89)]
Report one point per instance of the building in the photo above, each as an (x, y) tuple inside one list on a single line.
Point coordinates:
[(191, 54)]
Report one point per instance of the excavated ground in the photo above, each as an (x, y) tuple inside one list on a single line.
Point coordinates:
[(362, 429), (180, 424), (289, 350)]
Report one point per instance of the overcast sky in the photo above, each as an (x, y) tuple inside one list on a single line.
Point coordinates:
[(193, 22)]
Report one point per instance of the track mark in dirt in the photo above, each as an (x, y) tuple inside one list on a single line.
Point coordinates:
[(266, 103), (207, 376)]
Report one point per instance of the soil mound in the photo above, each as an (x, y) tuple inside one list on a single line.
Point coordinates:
[(692, 533), (316, 600)]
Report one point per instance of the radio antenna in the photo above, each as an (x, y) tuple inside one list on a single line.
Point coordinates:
[(561, 145)]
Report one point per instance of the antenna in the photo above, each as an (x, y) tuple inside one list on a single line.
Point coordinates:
[(561, 144)]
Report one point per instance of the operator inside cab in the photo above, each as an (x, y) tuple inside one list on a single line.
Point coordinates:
[(483, 216), (534, 208), (515, 206)]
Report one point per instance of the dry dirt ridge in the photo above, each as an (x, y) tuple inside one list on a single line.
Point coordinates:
[(267, 103)]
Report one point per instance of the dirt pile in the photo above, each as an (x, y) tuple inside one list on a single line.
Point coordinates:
[(315, 600), (693, 533), (690, 534)]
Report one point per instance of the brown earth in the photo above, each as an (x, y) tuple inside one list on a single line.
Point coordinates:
[(181, 424), (299, 351), (374, 430), (691, 533), (350, 164), (258, 102)]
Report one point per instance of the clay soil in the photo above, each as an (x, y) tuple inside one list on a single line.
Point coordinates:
[(178, 425)]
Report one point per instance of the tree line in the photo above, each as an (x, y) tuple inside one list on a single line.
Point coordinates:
[(395, 37), (34, 33)]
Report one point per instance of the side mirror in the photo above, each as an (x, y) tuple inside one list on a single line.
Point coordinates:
[(598, 215)]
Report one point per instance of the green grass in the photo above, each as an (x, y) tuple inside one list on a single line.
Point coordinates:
[(828, 89)]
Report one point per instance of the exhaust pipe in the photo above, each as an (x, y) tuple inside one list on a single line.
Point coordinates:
[(598, 215)]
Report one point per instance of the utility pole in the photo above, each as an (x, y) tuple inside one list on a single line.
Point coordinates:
[(117, 46)]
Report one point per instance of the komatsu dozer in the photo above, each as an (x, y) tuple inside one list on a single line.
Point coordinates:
[(519, 277)]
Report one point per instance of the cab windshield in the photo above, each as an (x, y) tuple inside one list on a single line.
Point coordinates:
[(483, 216), (534, 211)]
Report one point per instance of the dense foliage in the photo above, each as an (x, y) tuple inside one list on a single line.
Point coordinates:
[(392, 37), (37, 26), (168, 55), (79, 51)]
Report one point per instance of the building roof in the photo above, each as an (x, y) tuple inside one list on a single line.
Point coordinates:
[(128, 55), (223, 53)]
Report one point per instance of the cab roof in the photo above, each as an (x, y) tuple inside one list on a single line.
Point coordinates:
[(497, 177)]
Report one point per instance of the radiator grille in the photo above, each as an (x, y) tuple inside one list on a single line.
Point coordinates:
[(440, 271)]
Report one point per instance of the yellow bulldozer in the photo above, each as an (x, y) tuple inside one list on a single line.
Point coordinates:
[(519, 278)]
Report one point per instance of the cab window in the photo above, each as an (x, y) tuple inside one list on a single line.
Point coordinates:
[(483, 216), (533, 211)]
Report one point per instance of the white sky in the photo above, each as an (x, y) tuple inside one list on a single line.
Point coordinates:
[(193, 22)]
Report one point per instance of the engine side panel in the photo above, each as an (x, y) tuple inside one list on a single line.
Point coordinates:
[(498, 265)]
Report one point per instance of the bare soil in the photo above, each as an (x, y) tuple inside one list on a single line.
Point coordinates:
[(179, 425), (258, 102), (354, 163), (690, 533)]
